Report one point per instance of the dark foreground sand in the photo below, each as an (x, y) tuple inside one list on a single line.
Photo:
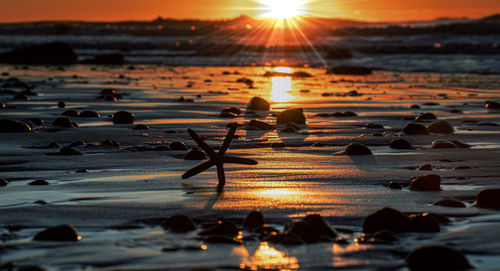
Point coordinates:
[(118, 205)]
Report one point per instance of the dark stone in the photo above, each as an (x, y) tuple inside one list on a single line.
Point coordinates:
[(21, 97), (107, 59), (69, 151), (71, 113), (442, 144), (492, 105), (56, 53), (320, 227), (394, 185), (456, 111), (228, 115), (221, 239), (289, 129), (426, 183), (178, 146), (415, 129), (425, 167), (278, 145), (488, 198), (460, 144), (350, 70), (39, 182), (36, 121), (401, 144), (247, 81), (195, 155), (357, 149), (302, 74), (233, 110), (141, 127), (350, 114), (260, 125), (123, 117), (426, 116), (223, 228), (61, 104), (441, 127), (3, 182), (89, 114), (374, 126), (425, 223), (436, 258), (384, 235), (415, 106), (108, 91), (253, 220), (2, 106), (63, 233), (64, 122), (82, 171), (387, 219), (257, 103), (13, 126), (302, 230), (179, 223), (450, 203), (440, 218), (291, 115)]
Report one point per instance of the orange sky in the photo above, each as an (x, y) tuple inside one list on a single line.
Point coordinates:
[(112, 10)]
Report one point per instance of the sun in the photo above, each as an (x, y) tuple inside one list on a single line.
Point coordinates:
[(283, 9)]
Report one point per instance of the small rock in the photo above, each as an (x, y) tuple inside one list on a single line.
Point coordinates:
[(178, 146), (415, 106), (401, 144), (492, 105), (426, 183), (195, 155), (179, 224), (394, 185), (425, 223), (82, 171), (65, 123), (291, 115), (39, 182), (374, 126), (357, 149), (141, 127), (456, 111), (13, 126), (441, 127), (3, 182), (442, 144), (61, 104), (436, 258), (488, 198), (71, 113), (63, 233), (460, 144), (387, 219), (228, 115), (450, 203), (21, 97), (260, 125), (36, 121), (221, 228), (69, 151), (253, 220), (233, 110), (89, 114), (123, 117), (320, 227), (426, 116), (257, 103), (425, 167), (415, 129)]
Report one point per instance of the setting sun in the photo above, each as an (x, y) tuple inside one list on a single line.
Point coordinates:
[(283, 9)]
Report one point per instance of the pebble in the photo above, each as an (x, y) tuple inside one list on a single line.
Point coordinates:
[(257, 103), (65, 123), (260, 125), (62, 233), (448, 202), (387, 219), (69, 151), (221, 228), (179, 223), (394, 185), (61, 104), (228, 115), (357, 149), (2, 105), (436, 258), (89, 114), (415, 106), (195, 155), (415, 129), (82, 171), (460, 144), (400, 143), (374, 126), (425, 167), (425, 223), (430, 182), (3, 182), (426, 116), (36, 121), (141, 127), (291, 115), (441, 127), (178, 146), (71, 113), (319, 227), (488, 198), (253, 220), (123, 117), (492, 105), (13, 126), (442, 144), (233, 110), (39, 182)]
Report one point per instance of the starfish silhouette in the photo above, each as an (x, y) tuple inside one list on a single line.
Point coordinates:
[(218, 159)]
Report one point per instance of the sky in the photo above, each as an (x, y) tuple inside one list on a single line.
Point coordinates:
[(119, 10)]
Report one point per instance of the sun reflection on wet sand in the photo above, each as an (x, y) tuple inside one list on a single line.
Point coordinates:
[(268, 258), (282, 85)]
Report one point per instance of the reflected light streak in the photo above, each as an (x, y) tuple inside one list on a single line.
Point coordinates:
[(281, 85), (269, 258)]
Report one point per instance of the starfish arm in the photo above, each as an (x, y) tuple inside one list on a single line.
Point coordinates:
[(227, 140), (220, 175), (238, 160), (202, 143), (198, 169)]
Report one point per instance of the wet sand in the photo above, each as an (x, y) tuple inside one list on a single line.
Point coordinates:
[(117, 207)]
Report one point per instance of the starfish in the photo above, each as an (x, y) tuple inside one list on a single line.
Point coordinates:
[(216, 158)]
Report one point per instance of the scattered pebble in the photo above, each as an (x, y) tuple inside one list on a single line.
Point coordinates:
[(425, 167), (253, 220), (260, 125), (448, 202), (179, 224), (62, 233), (442, 144), (61, 104), (69, 151), (141, 127), (257, 103), (436, 258), (178, 146), (387, 219), (39, 182), (401, 144), (488, 198), (394, 185), (430, 182), (357, 149), (291, 115), (415, 129), (71, 113), (89, 114), (425, 223), (374, 126), (13, 126), (195, 155), (65, 123), (123, 117), (426, 116), (441, 127), (3, 182)]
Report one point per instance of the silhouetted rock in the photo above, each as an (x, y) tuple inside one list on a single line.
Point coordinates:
[(319, 227), (141, 127), (13, 126), (35, 121), (233, 110), (253, 220), (394, 185), (387, 219), (21, 97), (69, 151), (224, 228), (178, 146), (89, 114), (39, 182), (460, 144), (260, 125), (257, 103), (442, 144), (401, 144), (415, 129), (450, 203), (179, 223), (247, 81), (71, 113), (3, 182), (291, 115), (65, 123), (106, 59), (426, 116), (62, 233), (425, 223), (123, 117), (374, 126), (492, 105), (56, 53), (357, 149), (350, 70), (195, 155), (426, 183), (415, 106), (441, 127), (436, 258), (425, 167), (488, 198), (61, 104)]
